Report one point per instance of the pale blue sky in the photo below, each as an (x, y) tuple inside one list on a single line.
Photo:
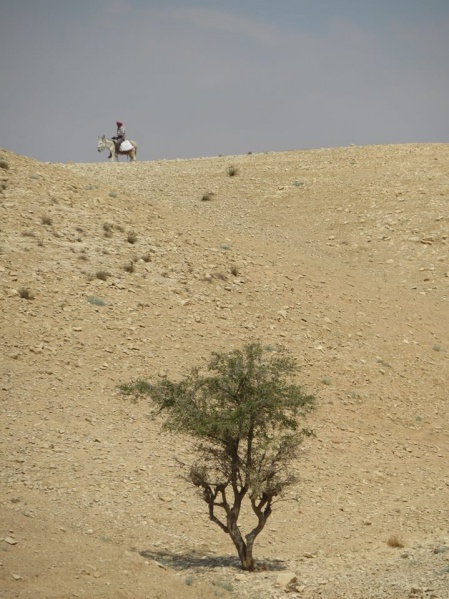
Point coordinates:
[(206, 77)]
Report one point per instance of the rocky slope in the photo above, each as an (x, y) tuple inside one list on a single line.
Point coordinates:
[(111, 272)]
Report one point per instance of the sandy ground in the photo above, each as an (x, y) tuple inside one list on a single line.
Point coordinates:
[(341, 255)]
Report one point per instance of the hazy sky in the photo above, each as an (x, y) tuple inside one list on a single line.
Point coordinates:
[(206, 77)]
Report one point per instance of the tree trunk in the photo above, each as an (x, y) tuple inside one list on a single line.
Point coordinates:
[(244, 551)]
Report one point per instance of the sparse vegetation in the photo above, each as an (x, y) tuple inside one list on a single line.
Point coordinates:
[(207, 197), (47, 220), (108, 230), (25, 293), (395, 541), (243, 412), (146, 257), (132, 237), (102, 275), (234, 271), (112, 194), (130, 267), (4, 164), (232, 171)]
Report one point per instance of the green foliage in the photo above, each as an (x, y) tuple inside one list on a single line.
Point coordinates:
[(243, 412)]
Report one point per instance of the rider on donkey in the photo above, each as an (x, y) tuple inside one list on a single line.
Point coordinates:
[(119, 136)]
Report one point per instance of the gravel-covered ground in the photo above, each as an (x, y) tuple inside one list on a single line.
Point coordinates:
[(142, 269)]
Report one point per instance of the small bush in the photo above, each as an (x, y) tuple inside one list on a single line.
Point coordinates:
[(207, 197), (4, 165), (234, 271), (47, 220), (132, 237), (25, 293), (232, 171), (130, 267), (103, 275), (112, 194), (395, 541), (146, 257)]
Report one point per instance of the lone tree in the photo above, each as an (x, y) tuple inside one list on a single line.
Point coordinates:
[(243, 412)]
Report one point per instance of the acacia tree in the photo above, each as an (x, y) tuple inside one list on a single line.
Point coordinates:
[(243, 412)]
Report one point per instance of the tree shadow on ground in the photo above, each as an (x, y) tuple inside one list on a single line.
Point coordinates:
[(193, 560)]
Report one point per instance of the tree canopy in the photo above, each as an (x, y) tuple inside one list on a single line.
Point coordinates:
[(244, 412)]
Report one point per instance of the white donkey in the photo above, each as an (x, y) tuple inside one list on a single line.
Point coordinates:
[(108, 144)]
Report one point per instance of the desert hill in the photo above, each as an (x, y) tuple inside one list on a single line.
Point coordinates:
[(110, 272)]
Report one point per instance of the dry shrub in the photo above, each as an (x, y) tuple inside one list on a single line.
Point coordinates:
[(130, 267), (395, 541), (25, 293), (207, 197), (102, 275)]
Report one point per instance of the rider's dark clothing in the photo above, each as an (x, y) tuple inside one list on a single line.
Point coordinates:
[(119, 137)]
